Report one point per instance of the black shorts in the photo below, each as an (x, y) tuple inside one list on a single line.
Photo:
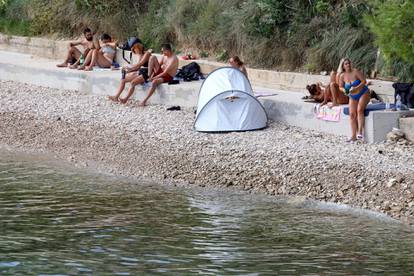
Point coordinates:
[(143, 71)]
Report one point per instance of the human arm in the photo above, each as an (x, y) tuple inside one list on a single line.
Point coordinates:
[(361, 77), (143, 60), (342, 84), (75, 43)]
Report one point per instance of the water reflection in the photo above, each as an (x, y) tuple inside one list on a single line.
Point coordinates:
[(59, 222)]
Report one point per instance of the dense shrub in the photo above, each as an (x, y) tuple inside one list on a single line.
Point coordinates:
[(278, 34)]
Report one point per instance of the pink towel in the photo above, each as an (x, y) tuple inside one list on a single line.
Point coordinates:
[(326, 113)]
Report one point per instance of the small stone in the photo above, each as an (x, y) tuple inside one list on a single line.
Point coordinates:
[(392, 182)]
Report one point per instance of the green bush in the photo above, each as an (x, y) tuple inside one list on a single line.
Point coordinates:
[(276, 34)]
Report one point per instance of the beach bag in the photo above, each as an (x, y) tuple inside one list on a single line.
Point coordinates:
[(127, 47), (406, 92), (190, 72)]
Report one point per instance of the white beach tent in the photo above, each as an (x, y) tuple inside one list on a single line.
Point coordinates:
[(226, 103)]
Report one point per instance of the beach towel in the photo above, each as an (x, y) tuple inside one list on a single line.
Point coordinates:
[(259, 94), (326, 113)]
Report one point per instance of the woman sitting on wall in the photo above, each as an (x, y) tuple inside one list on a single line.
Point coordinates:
[(132, 73), (352, 83), (236, 62), (103, 57)]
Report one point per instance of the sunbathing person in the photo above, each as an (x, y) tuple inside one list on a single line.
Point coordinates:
[(132, 73), (353, 84), (158, 73), (329, 93), (89, 42), (103, 56), (237, 63)]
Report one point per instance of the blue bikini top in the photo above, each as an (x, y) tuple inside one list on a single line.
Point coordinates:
[(348, 86)]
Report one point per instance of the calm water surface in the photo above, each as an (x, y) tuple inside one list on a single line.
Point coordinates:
[(60, 222)]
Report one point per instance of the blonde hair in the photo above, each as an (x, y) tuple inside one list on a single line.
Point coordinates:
[(340, 69)]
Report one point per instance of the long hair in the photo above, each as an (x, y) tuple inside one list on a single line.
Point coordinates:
[(237, 60), (342, 64), (139, 47)]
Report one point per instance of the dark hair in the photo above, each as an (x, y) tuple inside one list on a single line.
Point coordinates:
[(87, 30), (106, 37), (166, 47), (237, 60), (312, 89)]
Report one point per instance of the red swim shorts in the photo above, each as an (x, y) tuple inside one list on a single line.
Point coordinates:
[(166, 78)]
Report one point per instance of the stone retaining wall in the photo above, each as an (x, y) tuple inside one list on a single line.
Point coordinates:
[(290, 81)]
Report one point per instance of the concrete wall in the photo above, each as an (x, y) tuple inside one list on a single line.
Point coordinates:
[(289, 81)]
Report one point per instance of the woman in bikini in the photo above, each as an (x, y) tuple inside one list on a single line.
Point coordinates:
[(103, 57), (134, 72), (352, 82)]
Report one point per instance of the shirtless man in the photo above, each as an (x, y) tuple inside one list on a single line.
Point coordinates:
[(88, 42), (158, 73)]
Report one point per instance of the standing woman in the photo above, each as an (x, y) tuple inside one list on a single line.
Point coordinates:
[(353, 83)]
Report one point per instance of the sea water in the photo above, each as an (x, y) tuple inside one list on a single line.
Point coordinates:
[(56, 221)]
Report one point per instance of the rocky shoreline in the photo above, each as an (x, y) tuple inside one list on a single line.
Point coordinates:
[(157, 144)]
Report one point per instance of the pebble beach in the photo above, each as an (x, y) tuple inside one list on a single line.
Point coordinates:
[(153, 143)]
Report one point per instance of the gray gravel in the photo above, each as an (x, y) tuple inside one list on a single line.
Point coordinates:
[(162, 145)]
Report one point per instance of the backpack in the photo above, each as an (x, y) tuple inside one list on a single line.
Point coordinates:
[(406, 91), (127, 47), (190, 72)]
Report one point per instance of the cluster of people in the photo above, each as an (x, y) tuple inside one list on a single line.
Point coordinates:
[(102, 53), (347, 85)]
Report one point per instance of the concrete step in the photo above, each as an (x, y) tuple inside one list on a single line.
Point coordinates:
[(288, 81), (285, 106), (407, 126)]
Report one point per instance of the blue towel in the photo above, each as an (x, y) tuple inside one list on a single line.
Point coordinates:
[(370, 107)]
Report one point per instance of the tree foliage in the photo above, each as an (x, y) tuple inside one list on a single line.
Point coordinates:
[(278, 34), (392, 22)]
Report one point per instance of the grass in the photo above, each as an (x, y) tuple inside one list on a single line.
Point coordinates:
[(15, 27)]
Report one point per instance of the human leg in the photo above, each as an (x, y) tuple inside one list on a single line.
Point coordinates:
[(94, 58), (134, 82), (154, 86), (73, 52), (87, 61), (353, 117), (153, 66), (103, 60), (362, 104), (128, 78)]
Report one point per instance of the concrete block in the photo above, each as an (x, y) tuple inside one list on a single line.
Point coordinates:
[(407, 126)]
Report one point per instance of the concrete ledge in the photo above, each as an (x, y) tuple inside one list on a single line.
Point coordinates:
[(289, 81), (286, 106), (407, 126)]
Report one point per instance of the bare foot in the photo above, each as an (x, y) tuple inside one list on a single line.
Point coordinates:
[(88, 68), (62, 65), (82, 67), (73, 66), (142, 104), (123, 101), (323, 103), (113, 98)]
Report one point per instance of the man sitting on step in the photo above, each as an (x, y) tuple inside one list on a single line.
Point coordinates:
[(73, 57), (158, 73)]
